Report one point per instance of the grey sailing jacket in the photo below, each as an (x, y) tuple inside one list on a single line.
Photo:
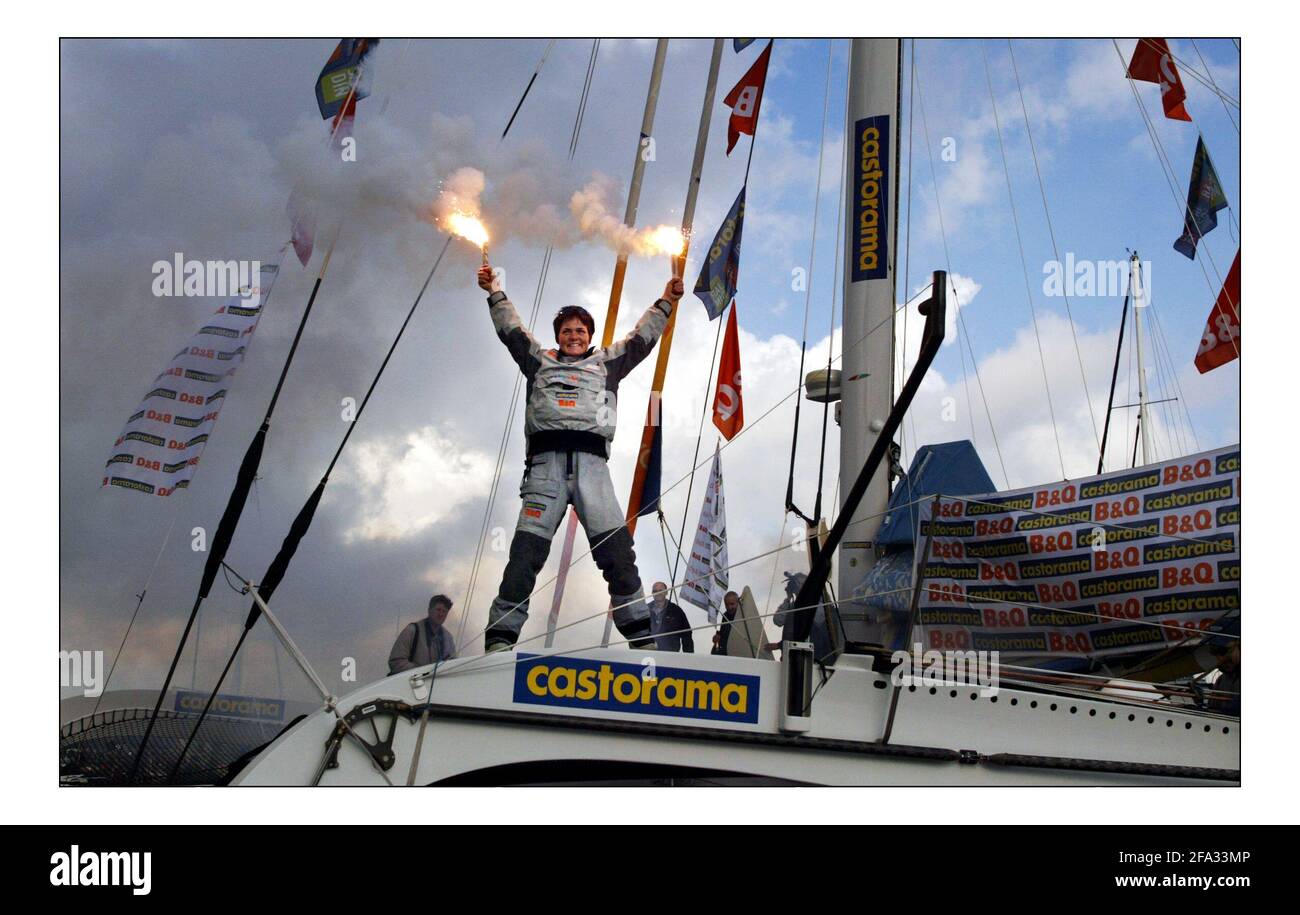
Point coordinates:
[(569, 394)]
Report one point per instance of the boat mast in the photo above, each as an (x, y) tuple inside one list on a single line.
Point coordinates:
[(1139, 302), (871, 207)]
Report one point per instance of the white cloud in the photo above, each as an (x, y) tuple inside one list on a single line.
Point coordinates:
[(410, 482)]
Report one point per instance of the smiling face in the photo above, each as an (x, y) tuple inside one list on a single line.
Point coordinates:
[(573, 337)]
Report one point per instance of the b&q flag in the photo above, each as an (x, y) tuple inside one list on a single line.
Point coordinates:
[(341, 71), (745, 98), (728, 407), (159, 449), (716, 285), (1152, 63), (1221, 341), (707, 580), (1121, 563), (1205, 198)]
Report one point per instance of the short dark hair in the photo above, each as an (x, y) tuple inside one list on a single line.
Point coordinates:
[(573, 311), (440, 599)]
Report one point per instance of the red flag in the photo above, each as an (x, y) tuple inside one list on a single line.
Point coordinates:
[(745, 98), (1221, 341), (1152, 63), (728, 406), (302, 216)]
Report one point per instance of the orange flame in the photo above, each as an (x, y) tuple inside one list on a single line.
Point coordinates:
[(468, 227), (662, 240)]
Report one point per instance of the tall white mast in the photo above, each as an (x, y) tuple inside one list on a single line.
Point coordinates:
[(868, 332), (1139, 302)]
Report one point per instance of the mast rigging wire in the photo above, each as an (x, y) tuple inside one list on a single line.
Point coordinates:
[(961, 321), (538, 295), (1024, 263), (808, 287), (302, 522), (1051, 232), (1202, 249), (1215, 86)]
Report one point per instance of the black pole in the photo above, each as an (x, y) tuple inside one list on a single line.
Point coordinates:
[(1114, 376), (934, 310), (230, 517), (302, 522)]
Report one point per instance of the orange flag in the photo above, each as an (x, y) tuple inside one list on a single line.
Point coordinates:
[(728, 407), (1152, 63), (1221, 341)]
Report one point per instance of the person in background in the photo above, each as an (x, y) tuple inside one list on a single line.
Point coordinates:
[(425, 641), (1229, 682), (730, 607), (668, 623), (789, 619)]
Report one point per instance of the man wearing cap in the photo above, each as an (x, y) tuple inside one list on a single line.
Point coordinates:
[(425, 641)]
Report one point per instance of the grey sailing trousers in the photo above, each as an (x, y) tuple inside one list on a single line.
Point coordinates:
[(554, 480)]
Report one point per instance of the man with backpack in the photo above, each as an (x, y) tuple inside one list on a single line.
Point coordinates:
[(425, 641)]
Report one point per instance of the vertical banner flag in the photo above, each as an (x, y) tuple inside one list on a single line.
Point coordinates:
[(159, 449), (1221, 341), (1121, 563), (707, 580), (340, 72), (745, 98), (654, 473), (1205, 198), (1152, 63), (728, 407), (716, 285)]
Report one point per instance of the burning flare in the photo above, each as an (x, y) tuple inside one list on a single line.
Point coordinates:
[(467, 227), (661, 240)]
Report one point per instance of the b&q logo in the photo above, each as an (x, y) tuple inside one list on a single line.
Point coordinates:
[(615, 686)]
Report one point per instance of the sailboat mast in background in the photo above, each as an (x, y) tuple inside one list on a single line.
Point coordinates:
[(873, 112)]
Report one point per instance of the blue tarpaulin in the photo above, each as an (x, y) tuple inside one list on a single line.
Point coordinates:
[(950, 468)]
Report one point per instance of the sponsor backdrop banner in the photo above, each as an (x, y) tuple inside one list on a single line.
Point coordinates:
[(159, 450), (1127, 561)]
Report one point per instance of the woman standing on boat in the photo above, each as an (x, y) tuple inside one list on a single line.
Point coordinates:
[(569, 419)]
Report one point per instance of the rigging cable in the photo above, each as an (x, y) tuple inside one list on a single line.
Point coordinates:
[(726, 444), (1042, 189), (298, 529), (138, 604), (808, 286), (1179, 203), (1206, 80), (961, 321), (706, 406), (1215, 86), (907, 242), (538, 294), (1024, 264), (1178, 387)]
